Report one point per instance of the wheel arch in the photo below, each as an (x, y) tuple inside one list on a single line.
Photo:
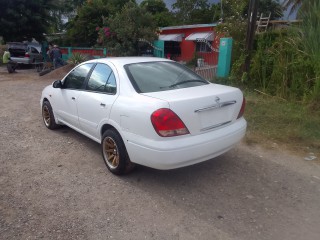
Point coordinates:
[(127, 165), (106, 127), (113, 126), (45, 100), (51, 122)]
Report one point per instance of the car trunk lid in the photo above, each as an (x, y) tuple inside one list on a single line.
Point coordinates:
[(203, 108), (17, 49)]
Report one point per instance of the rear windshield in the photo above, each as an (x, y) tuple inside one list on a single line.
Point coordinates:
[(161, 76)]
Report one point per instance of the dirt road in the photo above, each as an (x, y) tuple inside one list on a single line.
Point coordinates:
[(54, 185)]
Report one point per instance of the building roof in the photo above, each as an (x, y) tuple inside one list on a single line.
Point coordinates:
[(189, 26)]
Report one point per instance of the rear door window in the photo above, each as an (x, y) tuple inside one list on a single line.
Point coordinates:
[(75, 79), (102, 80)]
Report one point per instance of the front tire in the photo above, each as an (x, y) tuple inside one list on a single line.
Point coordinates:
[(48, 117), (115, 154)]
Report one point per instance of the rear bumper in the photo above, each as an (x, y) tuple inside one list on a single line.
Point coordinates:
[(21, 60), (185, 150)]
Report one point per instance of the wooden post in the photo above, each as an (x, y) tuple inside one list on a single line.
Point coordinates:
[(252, 21)]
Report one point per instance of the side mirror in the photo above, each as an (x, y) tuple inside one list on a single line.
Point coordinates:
[(57, 84)]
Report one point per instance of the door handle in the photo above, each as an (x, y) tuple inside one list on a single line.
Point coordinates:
[(102, 104), (73, 98)]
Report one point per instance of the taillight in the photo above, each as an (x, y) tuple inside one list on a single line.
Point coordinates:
[(242, 108), (27, 55), (167, 123)]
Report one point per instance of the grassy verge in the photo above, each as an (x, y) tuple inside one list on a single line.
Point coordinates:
[(272, 120)]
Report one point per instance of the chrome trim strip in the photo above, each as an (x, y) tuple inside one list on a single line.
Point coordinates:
[(218, 105), (214, 126), (207, 108), (224, 104)]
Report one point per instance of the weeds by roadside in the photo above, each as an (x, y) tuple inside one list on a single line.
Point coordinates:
[(290, 124)]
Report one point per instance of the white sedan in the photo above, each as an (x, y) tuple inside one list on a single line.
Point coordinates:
[(149, 111)]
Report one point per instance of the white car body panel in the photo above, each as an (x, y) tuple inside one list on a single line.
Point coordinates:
[(66, 106), (214, 128), (184, 150), (93, 109), (185, 103)]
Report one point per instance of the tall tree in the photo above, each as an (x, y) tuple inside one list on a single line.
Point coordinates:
[(239, 8), (270, 6), (185, 8), (124, 30), (63, 10), (206, 15), (25, 19), (154, 6), (159, 11), (81, 30)]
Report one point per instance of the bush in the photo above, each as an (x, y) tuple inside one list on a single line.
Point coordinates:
[(77, 58), (279, 66)]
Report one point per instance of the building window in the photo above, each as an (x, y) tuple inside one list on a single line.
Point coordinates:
[(203, 47)]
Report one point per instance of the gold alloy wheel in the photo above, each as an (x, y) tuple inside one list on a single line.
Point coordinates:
[(46, 115), (110, 152)]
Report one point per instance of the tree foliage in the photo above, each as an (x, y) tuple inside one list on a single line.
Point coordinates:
[(186, 10), (234, 25), (66, 9), (271, 6), (25, 19), (123, 39), (81, 30), (154, 6), (238, 8), (159, 11)]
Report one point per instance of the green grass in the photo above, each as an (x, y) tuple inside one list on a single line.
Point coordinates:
[(287, 123)]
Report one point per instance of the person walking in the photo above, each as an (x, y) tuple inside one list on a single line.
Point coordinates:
[(56, 56)]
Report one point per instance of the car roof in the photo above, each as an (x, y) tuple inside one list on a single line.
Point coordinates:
[(121, 61)]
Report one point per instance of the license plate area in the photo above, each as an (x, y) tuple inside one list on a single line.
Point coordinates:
[(215, 117)]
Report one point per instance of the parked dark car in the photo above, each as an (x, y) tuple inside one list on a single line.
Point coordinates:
[(25, 53)]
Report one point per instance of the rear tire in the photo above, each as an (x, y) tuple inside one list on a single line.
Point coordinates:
[(115, 154), (48, 117)]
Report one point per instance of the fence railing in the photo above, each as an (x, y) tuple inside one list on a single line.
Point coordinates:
[(208, 72), (94, 52)]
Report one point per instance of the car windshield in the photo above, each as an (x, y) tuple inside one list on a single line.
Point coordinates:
[(161, 76)]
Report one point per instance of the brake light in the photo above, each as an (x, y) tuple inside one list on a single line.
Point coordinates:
[(167, 123), (27, 55), (242, 108)]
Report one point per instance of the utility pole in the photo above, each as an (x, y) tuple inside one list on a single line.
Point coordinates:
[(252, 21)]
